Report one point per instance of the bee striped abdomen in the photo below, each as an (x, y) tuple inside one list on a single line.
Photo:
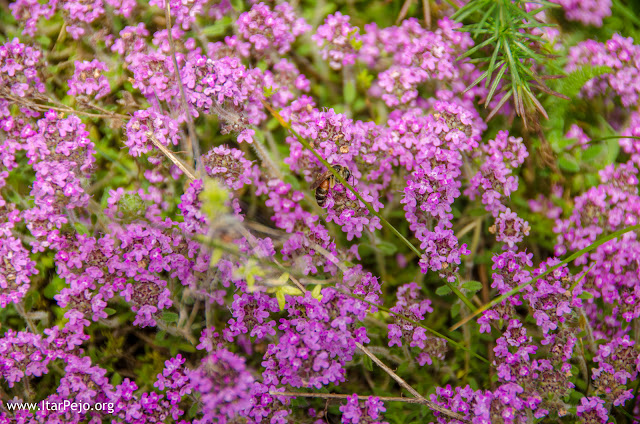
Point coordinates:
[(326, 181), (322, 191)]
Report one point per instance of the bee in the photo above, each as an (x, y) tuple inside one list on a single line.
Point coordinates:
[(326, 181)]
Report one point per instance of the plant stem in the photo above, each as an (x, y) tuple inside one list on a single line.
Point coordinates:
[(195, 146), (169, 154), (340, 396), (521, 287), (20, 309), (408, 387), (432, 331)]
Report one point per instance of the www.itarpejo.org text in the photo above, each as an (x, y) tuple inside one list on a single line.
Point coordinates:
[(66, 405)]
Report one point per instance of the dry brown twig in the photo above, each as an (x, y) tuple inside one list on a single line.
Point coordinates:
[(172, 157)]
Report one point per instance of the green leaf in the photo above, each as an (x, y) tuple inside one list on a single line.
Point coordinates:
[(30, 299), (613, 148), (594, 152), (54, 287), (472, 286), (403, 367), (455, 310), (80, 228), (316, 292), (585, 295), (281, 300), (290, 290), (574, 82), (368, 364), (218, 28), (365, 79), (387, 248), (170, 317), (216, 255), (365, 250), (186, 347), (355, 42), (269, 91), (443, 290), (194, 410), (567, 162), (496, 80), (109, 311), (116, 379)]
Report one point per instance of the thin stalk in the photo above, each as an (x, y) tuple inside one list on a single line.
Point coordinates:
[(195, 146), (370, 208), (432, 331), (20, 309), (521, 287), (407, 386), (266, 159), (169, 154), (611, 137), (344, 397)]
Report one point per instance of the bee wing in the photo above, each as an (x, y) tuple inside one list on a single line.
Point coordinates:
[(316, 184), (320, 179)]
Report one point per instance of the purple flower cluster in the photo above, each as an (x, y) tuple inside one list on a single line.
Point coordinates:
[(369, 413), (601, 210), (250, 315), (509, 272), (618, 53), (146, 125), (495, 180), (20, 70), (230, 166), (89, 79), (318, 339), (224, 384), (271, 29), (23, 354), (409, 307), (589, 12), (338, 40), (509, 228), (418, 56), (619, 364)]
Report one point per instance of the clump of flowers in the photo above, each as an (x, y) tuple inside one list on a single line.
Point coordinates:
[(89, 79), (620, 55), (20, 73), (275, 28), (223, 383), (369, 413), (589, 12), (409, 308), (338, 40)]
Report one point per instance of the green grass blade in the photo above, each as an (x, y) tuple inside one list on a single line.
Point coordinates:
[(496, 81), (568, 260)]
